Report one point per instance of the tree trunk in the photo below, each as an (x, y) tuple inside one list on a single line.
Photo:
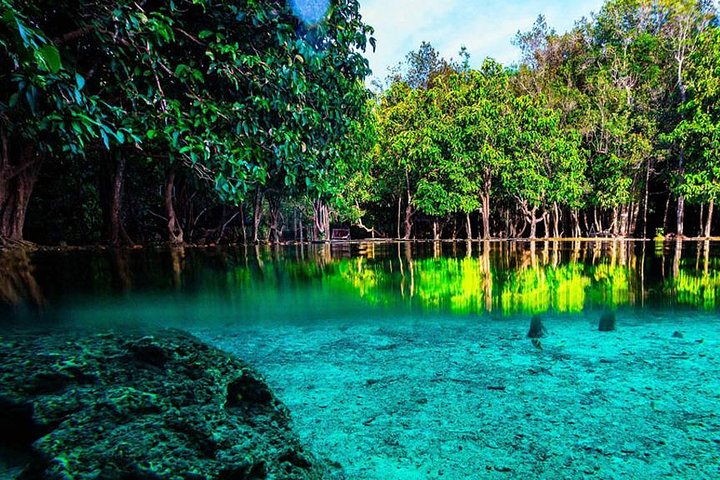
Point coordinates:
[(645, 201), (321, 214), (614, 227), (533, 228), (530, 217), (436, 229), (468, 226), (485, 212), (634, 221), (487, 186), (18, 174), (118, 179), (407, 223), (242, 223), (556, 225), (398, 215), (575, 223), (510, 230), (623, 217), (257, 216), (708, 221), (327, 223), (295, 225), (666, 214), (681, 154), (701, 226), (408, 209), (680, 215), (175, 231), (275, 219), (301, 228)]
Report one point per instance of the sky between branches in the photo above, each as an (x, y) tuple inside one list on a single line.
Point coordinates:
[(485, 27)]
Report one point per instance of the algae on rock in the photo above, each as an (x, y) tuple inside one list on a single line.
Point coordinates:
[(159, 407)]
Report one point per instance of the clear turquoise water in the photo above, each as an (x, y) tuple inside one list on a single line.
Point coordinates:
[(411, 361)]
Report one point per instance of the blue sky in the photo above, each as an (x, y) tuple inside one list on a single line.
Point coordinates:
[(486, 28)]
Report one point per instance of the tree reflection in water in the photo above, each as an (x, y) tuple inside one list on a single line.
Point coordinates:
[(17, 280), (504, 278)]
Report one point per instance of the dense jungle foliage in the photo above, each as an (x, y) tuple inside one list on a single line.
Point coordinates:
[(203, 121)]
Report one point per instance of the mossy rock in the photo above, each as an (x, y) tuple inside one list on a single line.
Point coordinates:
[(161, 406)]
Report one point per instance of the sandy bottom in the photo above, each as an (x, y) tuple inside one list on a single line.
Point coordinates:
[(472, 398)]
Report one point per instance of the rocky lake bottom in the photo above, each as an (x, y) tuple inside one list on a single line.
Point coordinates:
[(461, 398)]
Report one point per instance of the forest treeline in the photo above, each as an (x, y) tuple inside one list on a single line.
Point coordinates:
[(205, 122)]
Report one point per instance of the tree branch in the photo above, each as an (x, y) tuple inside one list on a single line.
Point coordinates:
[(70, 36)]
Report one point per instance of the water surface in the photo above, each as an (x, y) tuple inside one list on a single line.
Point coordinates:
[(321, 283)]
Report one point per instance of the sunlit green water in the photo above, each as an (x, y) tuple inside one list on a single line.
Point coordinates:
[(358, 281)]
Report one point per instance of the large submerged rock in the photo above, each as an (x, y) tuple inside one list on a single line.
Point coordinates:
[(131, 406)]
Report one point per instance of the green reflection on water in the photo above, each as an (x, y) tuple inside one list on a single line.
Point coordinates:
[(519, 280), (503, 278)]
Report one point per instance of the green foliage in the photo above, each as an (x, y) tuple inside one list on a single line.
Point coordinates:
[(600, 124), (246, 95), (699, 131), (42, 101)]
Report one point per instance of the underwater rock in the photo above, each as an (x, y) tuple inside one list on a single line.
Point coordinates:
[(129, 406), (537, 329), (607, 322)]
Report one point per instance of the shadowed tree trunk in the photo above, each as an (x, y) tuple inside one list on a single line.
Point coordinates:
[(175, 231), (275, 219), (257, 215), (300, 224), (242, 223), (532, 220), (485, 213), (116, 230), (19, 168)]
